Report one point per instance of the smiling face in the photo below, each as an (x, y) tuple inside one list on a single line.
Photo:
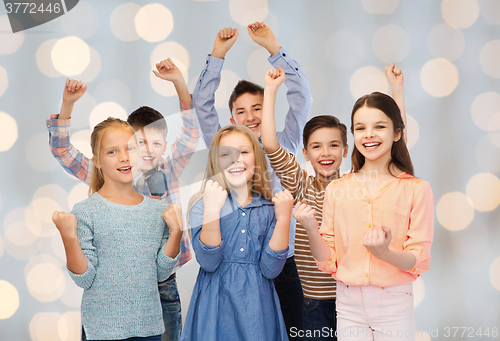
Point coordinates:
[(118, 156), (152, 145), (237, 160), (374, 134), (247, 111), (325, 151)]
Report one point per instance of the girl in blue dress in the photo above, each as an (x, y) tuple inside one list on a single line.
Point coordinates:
[(241, 242)]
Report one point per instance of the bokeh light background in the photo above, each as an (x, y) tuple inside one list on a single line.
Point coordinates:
[(449, 51)]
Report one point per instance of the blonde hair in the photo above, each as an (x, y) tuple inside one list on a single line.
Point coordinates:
[(261, 182), (97, 178)]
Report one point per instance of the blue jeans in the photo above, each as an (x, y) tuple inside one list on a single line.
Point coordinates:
[(320, 319), (171, 307), (289, 291)]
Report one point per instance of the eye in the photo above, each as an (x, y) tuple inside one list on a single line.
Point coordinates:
[(257, 109), (380, 127), (239, 112), (335, 145), (243, 152), (224, 155), (157, 144), (112, 152), (315, 147), (359, 128), (131, 148), (141, 142)]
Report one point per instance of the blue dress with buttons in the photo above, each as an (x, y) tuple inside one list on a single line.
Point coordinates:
[(234, 296)]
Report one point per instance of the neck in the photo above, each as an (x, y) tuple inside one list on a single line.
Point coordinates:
[(329, 178), (379, 166), (115, 190), (244, 195)]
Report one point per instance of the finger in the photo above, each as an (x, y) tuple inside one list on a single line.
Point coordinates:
[(85, 88), (388, 232), (79, 85), (156, 73), (67, 82), (170, 62)]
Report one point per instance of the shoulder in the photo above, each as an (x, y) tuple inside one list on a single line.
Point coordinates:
[(154, 204), (341, 181), (92, 203), (419, 187)]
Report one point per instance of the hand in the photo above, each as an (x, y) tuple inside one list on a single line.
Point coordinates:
[(224, 41), (214, 196), (377, 241), (173, 218), (274, 78), (65, 223), (305, 215), (168, 71), (283, 204), (73, 90), (394, 76), (262, 35)]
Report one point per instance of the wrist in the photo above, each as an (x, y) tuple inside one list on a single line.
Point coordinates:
[(216, 53), (273, 47)]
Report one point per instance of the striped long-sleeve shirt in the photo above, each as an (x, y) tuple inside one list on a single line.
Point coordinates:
[(78, 165), (316, 284)]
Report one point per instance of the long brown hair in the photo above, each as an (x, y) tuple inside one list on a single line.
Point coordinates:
[(97, 178), (261, 182), (400, 157)]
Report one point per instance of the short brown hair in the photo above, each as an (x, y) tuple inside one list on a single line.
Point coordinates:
[(323, 121), (244, 87), (147, 117)]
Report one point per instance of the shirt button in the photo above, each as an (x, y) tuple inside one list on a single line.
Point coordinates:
[(242, 249), (296, 69), (367, 251), (48, 125), (369, 202), (284, 54), (243, 231), (366, 275), (369, 226), (243, 214)]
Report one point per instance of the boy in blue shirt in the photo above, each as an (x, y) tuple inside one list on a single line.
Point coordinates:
[(245, 104)]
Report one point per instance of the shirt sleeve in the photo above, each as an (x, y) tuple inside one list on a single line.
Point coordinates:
[(165, 264), (208, 257), (299, 99), (421, 229), (272, 262), (327, 232), (288, 170), (186, 142), (204, 98), (70, 158), (85, 233)]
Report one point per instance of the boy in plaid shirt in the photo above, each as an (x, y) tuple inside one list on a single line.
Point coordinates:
[(157, 178)]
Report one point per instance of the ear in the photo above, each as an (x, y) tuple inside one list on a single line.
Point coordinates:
[(232, 121), (304, 151), (398, 135), (346, 151), (96, 162)]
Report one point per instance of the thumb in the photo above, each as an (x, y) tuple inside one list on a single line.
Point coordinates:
[(156, 73), (388, 233), (85, 89)]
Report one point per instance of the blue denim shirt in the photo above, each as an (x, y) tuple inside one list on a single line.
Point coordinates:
[(298, 96), (234, 296)]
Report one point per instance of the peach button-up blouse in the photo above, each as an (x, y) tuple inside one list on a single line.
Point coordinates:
[(405, 204)]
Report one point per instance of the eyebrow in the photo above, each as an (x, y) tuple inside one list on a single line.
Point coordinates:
[(253, 106), (315, 142)]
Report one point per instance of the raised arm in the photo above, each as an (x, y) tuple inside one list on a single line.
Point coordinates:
[(274, 78), (59, 127), (395, 78), (169, 252), (208, 82), (187, 141), (298, 94)]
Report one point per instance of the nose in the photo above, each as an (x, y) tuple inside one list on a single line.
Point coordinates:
[(124, 156), (236, 157), (250, 117), (368, 133)]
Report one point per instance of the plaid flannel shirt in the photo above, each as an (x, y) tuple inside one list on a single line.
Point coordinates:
[(78, 165)]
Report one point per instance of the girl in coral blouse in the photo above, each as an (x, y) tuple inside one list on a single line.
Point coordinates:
[(377, 227)]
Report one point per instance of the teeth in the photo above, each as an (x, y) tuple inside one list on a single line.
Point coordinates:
[(148, 158), (372, 144), (253, 125), (236, 170), (326, 162), (124, 168)]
